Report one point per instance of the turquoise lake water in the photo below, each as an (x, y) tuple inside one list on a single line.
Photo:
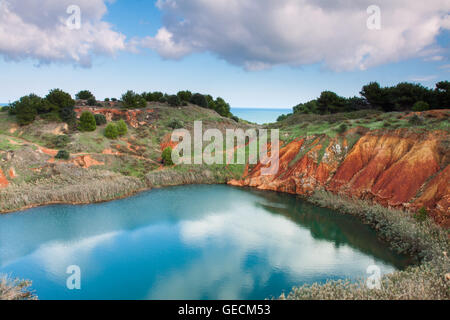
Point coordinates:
[(190, 242), (259, 116)]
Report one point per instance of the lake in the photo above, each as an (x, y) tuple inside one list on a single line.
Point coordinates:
[(189, 242)]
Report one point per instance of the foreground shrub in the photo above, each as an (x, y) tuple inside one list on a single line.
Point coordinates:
[(111, 131), (100, 119), (176, 124), (167, 156), (16, 290), (63, 155), (87, 122), (415, 120), (122, 128), (425, 241)]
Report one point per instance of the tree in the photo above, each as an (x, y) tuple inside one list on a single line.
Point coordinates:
[(132, 100), (222, 107), (310, 107), (60, 99), (87, 122), (26, 109), (330, 102), (111, 131), (442, 93), (100, 119), (377, 97), (167, 156), (122, 128), (199, 100), (63, 103), (92, 102), (184, 96), (84, 95), (421, 106), (174, 101)]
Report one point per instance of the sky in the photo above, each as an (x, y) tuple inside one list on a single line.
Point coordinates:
[(252, 53)]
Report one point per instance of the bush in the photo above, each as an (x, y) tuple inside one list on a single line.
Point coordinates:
[(421, 106), (63, 155), (415, 120), (176, 124), (111, 131), (132, 100), (84, 95), (421, 215), (92, 102), (167, 156), (342, 128), (68, 115), (235, 118), (59, 141), (122, 128), (26, 109), (87, 122), (199, 100), (185, 96), (174, 101), (100, 119)]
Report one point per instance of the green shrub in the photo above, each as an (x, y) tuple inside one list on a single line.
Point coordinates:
[(84, 95), (167, 156), (132, 100), (199, 100), (60, 141), (100, 119), (122, 128), (87, 122), (184, 96), (421, 215), (342, 128), (26, 109), (111, 131), (174, 101), (63, 155), (421, 106), (91, 102), (176, 124), (415, 120)]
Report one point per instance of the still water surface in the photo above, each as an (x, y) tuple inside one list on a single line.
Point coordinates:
[(191, 242)]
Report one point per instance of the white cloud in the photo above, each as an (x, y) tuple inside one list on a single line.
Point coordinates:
[(37, 30), (424, 78), (258, 34)]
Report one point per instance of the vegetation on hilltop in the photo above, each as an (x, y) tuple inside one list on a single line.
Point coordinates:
[(402, 97)]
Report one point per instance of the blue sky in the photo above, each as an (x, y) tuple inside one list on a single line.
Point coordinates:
[(212, 69)]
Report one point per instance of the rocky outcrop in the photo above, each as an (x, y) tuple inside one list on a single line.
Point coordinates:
[(135, 118), (3, 181), (401, 169)]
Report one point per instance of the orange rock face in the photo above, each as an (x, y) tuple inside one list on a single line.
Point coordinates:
[(3, 181), (86, 162), (398, 169), (134, 118)]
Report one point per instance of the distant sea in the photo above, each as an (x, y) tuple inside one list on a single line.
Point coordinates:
[(259, 116)]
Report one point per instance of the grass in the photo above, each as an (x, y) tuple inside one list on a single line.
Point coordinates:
[(426, 241)]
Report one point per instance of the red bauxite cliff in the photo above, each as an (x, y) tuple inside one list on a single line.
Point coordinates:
[(399, 168)]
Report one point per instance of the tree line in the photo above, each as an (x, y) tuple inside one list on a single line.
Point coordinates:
[(402, 97), (58, 105)]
